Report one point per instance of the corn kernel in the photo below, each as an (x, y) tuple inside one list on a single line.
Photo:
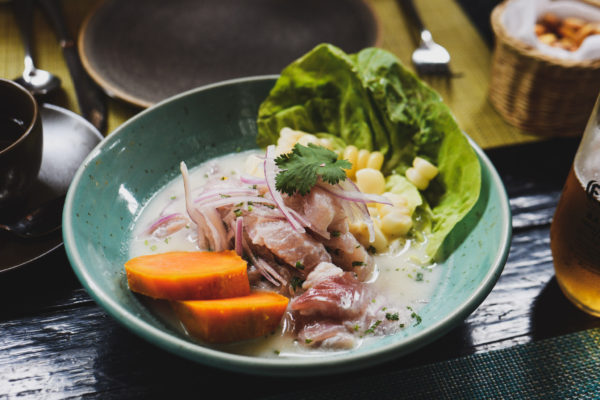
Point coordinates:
[(325, 143), (375, 160), (290, 134), (362, 159), (373, 211), (384, 209), (380, 242), (413, 175), (308, 138), (351, 154), (370, 180), (396, 223), (360, 231), (397, 200), (427, 169), (254, 166)]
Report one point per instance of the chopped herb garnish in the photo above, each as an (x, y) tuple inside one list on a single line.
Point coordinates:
[(415, 316), (153, 247), (358, 264), (392, 317), (419, 277), (237, 212), (373, 327), (308, 341), (299, 265), (301, 168), (372, 249), (336, 233), (224, 196), (296, 282)]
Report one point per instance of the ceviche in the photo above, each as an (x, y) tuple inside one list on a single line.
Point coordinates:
[(328, 234)]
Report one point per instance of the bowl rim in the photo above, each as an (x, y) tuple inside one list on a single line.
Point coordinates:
[(301, 366)]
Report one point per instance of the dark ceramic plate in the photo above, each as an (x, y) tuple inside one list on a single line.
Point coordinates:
[(143, 51), (68, 139)]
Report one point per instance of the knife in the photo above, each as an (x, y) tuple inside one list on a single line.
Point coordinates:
[(91, 99)]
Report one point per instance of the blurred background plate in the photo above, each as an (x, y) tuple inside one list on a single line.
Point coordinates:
[(68, 139), (143, 51)]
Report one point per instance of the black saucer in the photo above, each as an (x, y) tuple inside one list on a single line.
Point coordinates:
[(68, 139)]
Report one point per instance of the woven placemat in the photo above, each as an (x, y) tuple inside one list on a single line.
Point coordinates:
[(564, 367)]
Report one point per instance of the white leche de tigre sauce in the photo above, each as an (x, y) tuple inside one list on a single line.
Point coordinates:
[(401, 276)]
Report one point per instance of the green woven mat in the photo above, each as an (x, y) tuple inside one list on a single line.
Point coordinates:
[(565, 367)]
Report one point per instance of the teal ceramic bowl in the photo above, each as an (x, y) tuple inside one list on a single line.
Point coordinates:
[(126, 169)]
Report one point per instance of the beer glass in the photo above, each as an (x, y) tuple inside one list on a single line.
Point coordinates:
[(575, 230)]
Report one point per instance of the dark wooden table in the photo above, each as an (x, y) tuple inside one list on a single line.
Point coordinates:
[(55, 342)]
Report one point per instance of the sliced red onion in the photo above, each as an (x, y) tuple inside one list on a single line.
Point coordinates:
[(166, 221), (264, 268), (252, 180), (216, 228), (239, 229), (230, 191), (348, 190), (220, 202), (270, 172), (194, 214)]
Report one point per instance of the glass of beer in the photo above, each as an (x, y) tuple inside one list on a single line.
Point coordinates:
[(575, 230)]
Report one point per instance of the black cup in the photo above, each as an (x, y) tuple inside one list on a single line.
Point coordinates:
[(21, 141)]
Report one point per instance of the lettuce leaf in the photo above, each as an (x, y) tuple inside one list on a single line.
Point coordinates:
[(371, 100)]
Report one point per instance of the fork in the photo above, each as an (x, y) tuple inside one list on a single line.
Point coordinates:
[(429, 58)]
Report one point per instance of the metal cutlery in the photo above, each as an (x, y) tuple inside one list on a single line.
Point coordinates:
[(38, 81), (90, 97), (429, 58)]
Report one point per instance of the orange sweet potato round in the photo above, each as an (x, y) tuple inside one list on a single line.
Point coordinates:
[(188, 275), (232, 319)]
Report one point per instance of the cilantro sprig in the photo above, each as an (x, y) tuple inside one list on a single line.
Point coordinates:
[(304, 165)]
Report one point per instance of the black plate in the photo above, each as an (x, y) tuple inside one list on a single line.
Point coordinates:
[(68, 139), (143, 51)]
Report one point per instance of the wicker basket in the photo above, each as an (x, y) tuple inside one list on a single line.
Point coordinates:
[(540, 94)]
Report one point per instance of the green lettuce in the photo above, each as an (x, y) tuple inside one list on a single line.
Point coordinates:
[(369, 99)]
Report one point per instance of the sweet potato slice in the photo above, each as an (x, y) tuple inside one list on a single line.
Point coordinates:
[(188, 275), (232, 319)]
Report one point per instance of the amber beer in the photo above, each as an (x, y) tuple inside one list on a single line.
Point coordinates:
[(575, 242)]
